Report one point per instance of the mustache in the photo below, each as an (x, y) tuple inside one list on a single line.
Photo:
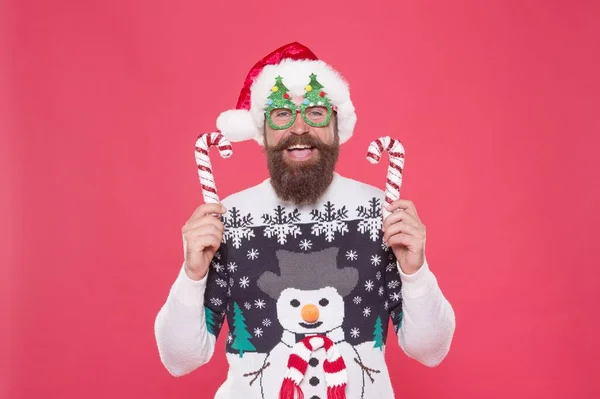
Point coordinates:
[(304, 139)]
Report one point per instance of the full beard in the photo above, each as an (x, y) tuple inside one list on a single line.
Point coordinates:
[(302, 182)]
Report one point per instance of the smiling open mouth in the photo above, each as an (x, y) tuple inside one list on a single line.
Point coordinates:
[(300, 152), (313, 325)]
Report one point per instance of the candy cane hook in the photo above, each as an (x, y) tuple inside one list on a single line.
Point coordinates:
[(207, 180), (396, 165)]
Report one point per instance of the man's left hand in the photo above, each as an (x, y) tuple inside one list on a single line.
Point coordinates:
[(404, 232)]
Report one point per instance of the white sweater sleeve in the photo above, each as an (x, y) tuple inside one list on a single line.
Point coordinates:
[(183, 340), (428, 321)]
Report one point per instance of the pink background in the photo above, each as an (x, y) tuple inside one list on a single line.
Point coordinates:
[(496, 103)]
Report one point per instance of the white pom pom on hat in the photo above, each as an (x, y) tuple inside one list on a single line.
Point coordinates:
[(294, 62)]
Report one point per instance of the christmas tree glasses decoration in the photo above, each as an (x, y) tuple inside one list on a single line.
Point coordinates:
[(315, 109)]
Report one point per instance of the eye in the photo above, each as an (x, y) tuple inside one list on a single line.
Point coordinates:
[(295, 303), (323, 302), (282, 114)]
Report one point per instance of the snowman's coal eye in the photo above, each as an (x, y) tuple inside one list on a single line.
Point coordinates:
[(295, 303), (323, 302)]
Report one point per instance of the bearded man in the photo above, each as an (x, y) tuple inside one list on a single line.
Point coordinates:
[(303, 267)]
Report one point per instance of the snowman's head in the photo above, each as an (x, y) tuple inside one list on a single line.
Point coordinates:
[(310, 311)]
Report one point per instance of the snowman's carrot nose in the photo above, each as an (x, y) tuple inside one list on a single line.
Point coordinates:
[(310, 313)]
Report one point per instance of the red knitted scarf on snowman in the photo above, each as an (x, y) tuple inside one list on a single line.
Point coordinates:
[(334, 367)]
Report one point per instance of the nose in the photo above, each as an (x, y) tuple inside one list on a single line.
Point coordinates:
[(300, 126), (310, 313)]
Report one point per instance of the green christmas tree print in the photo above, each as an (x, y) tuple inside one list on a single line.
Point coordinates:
[(209, 315), (398, 321), (241, 340), (314, 93), (378, 334), (279, 97)]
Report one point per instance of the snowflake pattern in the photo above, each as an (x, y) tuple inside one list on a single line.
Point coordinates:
[(372, 221), (247, 305), (252, 254), (378, 275), (384, 245), (216, 301), (357, 300), (367, 311), (232, 267), (259, 303), (221, 283), (390, 267), (266, 322), (237, 228), (393, 284), (281, 225), (369, 285), (231, 282), (258, 332), (306, 244), (375, 260), (244, 282), (329, 221), (351, 255), (395, 296), (380, 292), (218, 267), (386, 305), (355, 332), (229, 338)]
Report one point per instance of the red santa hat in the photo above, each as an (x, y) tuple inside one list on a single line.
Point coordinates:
[(294, 63)]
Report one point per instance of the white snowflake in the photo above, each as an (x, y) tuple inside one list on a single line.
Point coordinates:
[(221, 283), (384, 245), (393, 284), (231, 282), (244, 282), (355, 332), (378, 275), (217, 255), (390, 267), (375, 260), (351, 255), (232, 267), (372, 225), (252, 254), (236, 234), (357, 300), (306, 244), (386, 305), (380, 291), (229, 292), (369, 285), (367, 311), (258, 332), (266, 322), (395, 296), (247, 305), (281, 224), (218, 267), (216, 301), (329, 221), (259, 303), (329, 229), (229, 338)]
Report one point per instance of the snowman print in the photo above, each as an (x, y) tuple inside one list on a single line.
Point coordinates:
[(310, 291)]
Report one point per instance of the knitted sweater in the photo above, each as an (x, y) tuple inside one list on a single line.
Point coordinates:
[(284, 272)]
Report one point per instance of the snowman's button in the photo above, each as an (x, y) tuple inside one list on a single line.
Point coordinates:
[(314, 362), (314, 397), (314, 381)]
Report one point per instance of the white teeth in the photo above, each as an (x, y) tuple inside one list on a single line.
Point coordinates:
[(298, 147)]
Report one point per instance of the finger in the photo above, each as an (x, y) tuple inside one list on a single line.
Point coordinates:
[(401, 228), (403, 239), (406, 205), (202, 221), (205, 241), (400, 215), (208, 209), (203, 230)]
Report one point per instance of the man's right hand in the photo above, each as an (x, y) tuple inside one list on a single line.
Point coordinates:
[(202, 235)]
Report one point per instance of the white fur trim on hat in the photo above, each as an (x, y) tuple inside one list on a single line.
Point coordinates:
[(237, 125)]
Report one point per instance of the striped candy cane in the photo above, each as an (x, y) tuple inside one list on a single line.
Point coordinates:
[(396, 165), (207, 180)]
